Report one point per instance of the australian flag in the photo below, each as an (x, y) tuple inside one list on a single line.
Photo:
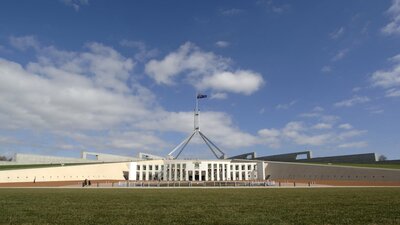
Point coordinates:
[(201, 96)]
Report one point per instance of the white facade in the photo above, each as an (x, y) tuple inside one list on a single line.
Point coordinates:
[(196, 170)]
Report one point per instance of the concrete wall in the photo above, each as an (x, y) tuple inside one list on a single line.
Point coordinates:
[(356, 158), (108, 157), (303, 171), (104, 171), (287, 157)]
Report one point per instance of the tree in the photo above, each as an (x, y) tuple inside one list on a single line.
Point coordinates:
[(382, 158), (4, 158)]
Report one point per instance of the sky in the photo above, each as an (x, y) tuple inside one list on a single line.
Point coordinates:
[(121, 77)]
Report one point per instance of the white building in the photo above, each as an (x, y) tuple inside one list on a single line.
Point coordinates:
[(196, 170)]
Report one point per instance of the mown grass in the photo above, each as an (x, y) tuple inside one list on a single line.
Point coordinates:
[(201, 206), (368, 165), (34, 166)]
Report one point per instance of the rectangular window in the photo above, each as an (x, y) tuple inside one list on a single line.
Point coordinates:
[(150, 167), (144, 167), (156, 167)]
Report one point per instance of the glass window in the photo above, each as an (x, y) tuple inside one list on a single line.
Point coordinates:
[(150, 167), (144, 167), (156, 167), (196, 165)]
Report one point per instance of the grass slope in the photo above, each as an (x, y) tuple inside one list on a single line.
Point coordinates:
[(201, 206), (34, 166), (368, 165)]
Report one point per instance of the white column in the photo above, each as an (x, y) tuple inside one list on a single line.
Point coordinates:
[(199, 175), (212, 171), (228, 171), (170, 171), (181, 172), (176, 172), (218, 171)]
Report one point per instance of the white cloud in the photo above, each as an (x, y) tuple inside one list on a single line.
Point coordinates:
[(93, 99), (232, 12), (340, 54), (393, 92), (350, 133), (188, 58), (271, 137), (322, 126), (295, 131), (388, 78), (205, 70), (286, 106), (326, 69), (143, 53), (241, 81), (76, 4), (219, 95), (393, 27), (222, 44), (360, 144), (345, 126), (337, 33), (273, 7), (318, 109), (25, 42), (352, 101)]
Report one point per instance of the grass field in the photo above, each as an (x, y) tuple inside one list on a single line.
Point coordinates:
[(34, 166), (201, 206), (369, 165)]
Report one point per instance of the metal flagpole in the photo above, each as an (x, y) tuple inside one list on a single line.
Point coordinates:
[(196, 120)]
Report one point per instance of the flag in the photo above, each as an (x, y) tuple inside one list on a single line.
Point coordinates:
[(201, 96)]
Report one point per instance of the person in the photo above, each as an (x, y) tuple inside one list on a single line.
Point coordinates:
[(90, 183)]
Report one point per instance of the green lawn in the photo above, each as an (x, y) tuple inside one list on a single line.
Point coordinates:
[(33, 166), (201, 206), (369, 165)]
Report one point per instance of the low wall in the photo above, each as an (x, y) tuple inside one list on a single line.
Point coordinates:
[(105, 171), (327, 173)]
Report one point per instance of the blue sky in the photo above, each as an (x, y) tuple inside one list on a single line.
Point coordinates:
[(120, 77)]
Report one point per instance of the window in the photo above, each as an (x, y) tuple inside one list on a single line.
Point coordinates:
[(144, 167), (138, 167), (243, 167), (196, 165), (248, 167), (150, 167), (156, 167)]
